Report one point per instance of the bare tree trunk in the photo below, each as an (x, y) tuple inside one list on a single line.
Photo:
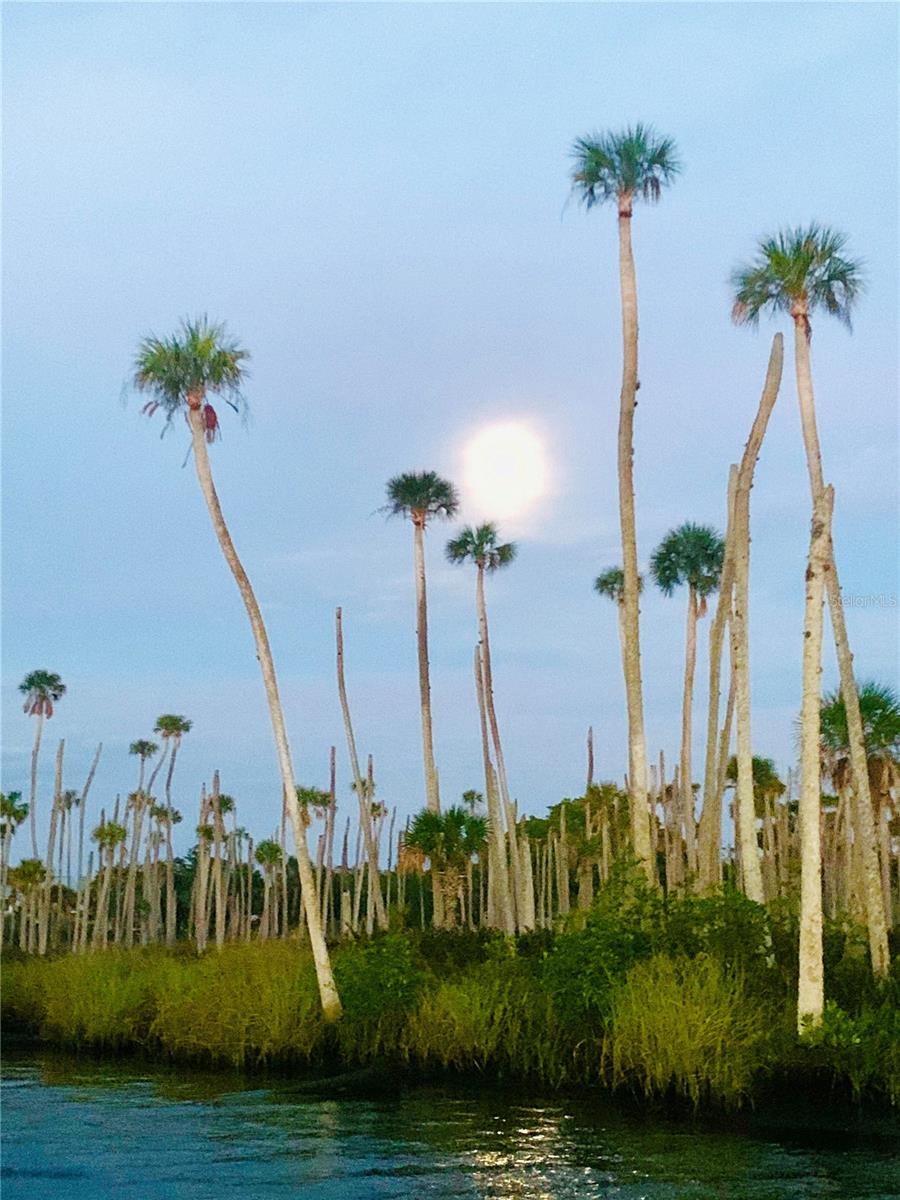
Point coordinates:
[(637, 751), (432, 795), (32, 807), (687, 790), (811, 993), (500, 905), (365, 801), (328, 994)]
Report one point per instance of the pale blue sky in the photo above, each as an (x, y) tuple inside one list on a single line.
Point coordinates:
[(374, 198)]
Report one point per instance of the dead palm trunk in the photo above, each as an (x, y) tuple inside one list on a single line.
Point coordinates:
[(432, 796), (365, 811), (32, 807), (687, 790), (637, 751), (864, 821), (500, 906), (328, 994), (46, 891), (811, 987)]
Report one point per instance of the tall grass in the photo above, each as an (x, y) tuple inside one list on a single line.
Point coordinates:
[(686, 1026)]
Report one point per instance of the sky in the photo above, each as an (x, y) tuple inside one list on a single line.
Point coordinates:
[(375, 197)]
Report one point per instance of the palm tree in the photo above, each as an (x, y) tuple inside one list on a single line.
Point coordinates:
[(109, 836), (620, 168), (28, 879), (799, 272), (171, 728), (12, 813), (448, 840), (423, 496), (42, 690), (143, 749), (182, 374), (482, 546), (268, 855), (692, 555)]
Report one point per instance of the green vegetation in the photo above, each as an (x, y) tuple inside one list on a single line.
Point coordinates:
[(683, 999)]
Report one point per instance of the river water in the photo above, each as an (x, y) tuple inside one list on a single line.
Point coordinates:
[(79, 1129)]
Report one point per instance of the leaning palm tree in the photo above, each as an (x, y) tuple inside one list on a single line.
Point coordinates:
[(620, 168), (143, 749), (423, 496), (42, 690), (799, 272), (482, 546), (183, 374), (693, 555)]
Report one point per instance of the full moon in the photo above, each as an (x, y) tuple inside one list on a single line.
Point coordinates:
[(504, 470)]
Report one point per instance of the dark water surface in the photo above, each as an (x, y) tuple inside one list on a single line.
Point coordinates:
[(78, 1129)]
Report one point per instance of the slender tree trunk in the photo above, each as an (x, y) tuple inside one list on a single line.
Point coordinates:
[(365, 801), (32, 807), (751, 872), (811, 993), (864, 812), (637, 751), (432, 796), (500, 905), (687, 790), (328, 994)]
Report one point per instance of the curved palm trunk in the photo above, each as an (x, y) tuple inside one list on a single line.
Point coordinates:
[(432, 796), (365, 802), (811, 985), (32, 807), (328, 994), (637, 751), (862, 796)]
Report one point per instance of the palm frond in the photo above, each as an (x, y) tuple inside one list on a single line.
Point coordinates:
[(635, 163), (421, 495), (691, 554)]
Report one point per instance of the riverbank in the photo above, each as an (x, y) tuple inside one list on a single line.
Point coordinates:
[(688, 1002)]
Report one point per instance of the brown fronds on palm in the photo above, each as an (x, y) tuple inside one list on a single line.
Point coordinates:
[(635, 163), (481, 546), (798, 271), (421, 495), (182, 371), (41, 689)]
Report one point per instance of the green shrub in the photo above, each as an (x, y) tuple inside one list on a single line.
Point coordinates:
[(685, 1026), (864, 1050), (379, 982)]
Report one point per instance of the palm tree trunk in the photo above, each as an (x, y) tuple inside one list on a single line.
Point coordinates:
[(751, 872), (131, 884), (365, 801), (637, 751), (811, 987), (328, 994), (865, 819), (32, 807), (687, 790), (432, 796), (500, 905)]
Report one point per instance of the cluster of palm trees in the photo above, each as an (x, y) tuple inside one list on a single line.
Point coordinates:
[(524, 878)]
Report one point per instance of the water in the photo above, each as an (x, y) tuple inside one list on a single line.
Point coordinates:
[(82, 1130)]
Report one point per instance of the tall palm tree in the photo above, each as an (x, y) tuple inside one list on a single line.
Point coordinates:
[(28, 879), (171, 728), (42, 690), (143, 749), (482, 546), (183, 374), (800, 272), (268, 855), (620, 168), (693, 555), (12, 813), (109, 836), (423, 496)]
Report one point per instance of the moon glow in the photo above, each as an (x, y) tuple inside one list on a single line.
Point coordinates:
[(504, 470)]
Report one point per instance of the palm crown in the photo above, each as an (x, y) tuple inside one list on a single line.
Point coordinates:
[(268, 854), (633, 163), (448, 839), (420, 495), (41, 689), (879, 708), (797, 271), (611, 584), (693, 555), (143, 748), (13, 810), (481, 546), (171, 725), (180, 372)]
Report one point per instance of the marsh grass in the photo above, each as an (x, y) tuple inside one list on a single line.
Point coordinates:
[(686, 1026)]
